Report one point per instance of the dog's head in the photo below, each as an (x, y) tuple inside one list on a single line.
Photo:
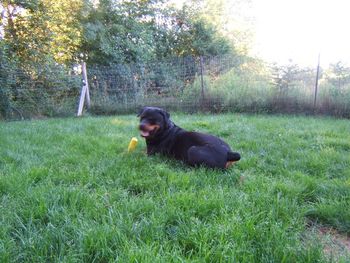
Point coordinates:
[(153, 122)]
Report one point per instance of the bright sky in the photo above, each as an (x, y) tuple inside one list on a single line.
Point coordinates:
[(300, 29)]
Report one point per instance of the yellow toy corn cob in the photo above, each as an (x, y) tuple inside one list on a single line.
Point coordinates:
[(132, 144)]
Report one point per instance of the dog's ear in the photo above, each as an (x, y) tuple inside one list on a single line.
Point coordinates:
[(166, 117), (165, 114), (141, 111)]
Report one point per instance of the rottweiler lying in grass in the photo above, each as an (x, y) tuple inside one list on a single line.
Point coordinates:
[(164, 137)]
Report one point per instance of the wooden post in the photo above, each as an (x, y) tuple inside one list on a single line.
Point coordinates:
[(85, 79), (316, 84), (84, 91)]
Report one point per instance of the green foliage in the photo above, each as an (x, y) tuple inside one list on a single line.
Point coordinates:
[(40, 36), (6, 72), (125, 34), (70, 192), (239, 89), (338, 75), (115, 33), (229, 19), (139, 31), (252, 86), (204, 41), (193, 36), (105, 32), (27, 91), (40, 30)]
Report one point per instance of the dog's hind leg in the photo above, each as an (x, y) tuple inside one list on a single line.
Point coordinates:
[(213, 157)]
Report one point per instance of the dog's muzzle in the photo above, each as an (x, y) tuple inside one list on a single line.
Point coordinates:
[(148, 130)]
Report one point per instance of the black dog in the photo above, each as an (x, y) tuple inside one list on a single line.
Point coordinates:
[(164, 137)]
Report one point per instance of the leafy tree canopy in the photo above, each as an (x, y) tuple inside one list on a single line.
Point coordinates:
[(106, 31)]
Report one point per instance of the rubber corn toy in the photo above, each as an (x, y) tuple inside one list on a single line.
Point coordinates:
[(132, 144)]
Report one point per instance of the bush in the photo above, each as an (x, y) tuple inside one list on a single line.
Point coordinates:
[(27, 91)]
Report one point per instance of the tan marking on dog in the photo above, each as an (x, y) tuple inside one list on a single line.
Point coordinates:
[(149, 127), (228, 164)]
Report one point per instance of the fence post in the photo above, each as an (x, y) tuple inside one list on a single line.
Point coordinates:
[(316, 84), (202, 80), (85, 79), (84, 91)]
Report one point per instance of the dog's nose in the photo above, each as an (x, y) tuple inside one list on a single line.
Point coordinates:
[(142, 126)]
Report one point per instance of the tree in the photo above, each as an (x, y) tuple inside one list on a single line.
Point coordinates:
[(38, 29), (339, 75), (190, 35), (284, 77), (106, 31), (120, 32), (229, 18)]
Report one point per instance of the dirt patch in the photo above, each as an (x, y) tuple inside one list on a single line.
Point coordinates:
[(335, 245)]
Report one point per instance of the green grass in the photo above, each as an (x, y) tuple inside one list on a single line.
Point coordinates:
[(69, 192)]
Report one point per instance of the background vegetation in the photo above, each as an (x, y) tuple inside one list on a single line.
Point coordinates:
[(40, 34), (147, 48)]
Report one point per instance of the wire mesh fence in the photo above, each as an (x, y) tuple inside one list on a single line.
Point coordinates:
[(190, 84), (125, 87), (215, 84), (185, 84), (41, 91)]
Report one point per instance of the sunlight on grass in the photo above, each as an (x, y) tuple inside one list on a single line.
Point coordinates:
[(117, 121)]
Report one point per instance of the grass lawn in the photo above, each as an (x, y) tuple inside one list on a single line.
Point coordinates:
[(69, 192)]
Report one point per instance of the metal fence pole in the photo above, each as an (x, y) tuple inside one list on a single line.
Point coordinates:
[(202, 80), (316, 84)]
